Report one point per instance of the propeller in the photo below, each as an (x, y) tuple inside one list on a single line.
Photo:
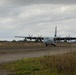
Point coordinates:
[(30, 37), (39, 37)]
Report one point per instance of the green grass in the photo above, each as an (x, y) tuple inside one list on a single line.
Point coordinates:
[(64, 64)]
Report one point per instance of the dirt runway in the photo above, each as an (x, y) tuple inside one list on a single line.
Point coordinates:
[(11, 54)]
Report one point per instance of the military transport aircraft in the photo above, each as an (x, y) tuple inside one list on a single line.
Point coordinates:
[(48, 40)]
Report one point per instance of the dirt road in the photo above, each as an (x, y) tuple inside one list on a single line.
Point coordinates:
[(10, 54)]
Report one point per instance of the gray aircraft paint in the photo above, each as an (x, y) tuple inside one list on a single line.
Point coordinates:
[(50, 40)]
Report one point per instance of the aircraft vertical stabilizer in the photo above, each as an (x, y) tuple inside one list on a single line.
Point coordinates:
[(55, 32)]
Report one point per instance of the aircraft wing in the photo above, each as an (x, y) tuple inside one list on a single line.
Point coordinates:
[(30, 37), (65, 38)]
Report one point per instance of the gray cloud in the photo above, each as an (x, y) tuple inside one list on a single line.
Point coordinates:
[(28, 2), (36, 17)]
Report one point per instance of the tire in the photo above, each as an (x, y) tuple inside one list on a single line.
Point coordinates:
[(54, 45), (46, 44)]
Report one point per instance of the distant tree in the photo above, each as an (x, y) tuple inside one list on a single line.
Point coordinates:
[(13, 40)]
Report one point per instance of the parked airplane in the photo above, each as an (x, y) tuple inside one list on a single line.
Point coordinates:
[(49, 40)]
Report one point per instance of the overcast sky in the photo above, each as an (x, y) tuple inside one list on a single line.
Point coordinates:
[(37, 17)]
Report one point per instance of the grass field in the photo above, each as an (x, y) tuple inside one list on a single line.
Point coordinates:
[(30, 44), (63, 64), (19, 44)]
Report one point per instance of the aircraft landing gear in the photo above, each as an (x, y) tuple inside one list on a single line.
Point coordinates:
[(46, 44), (54, 44), (50, 44)]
